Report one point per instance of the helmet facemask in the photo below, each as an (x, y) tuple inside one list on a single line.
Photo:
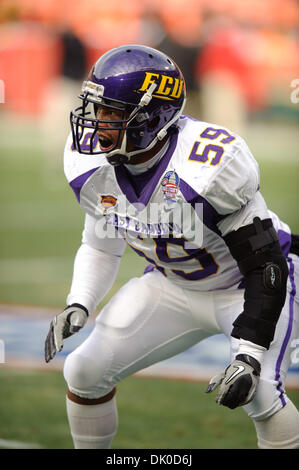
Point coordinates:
[(129, 128), (89, 131)]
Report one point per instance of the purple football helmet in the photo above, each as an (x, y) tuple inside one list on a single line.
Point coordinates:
[(146, 91)]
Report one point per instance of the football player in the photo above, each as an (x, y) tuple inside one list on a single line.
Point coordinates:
[(184, 194)]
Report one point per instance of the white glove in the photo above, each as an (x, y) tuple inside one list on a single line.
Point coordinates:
[(237, 383), (66, 323)]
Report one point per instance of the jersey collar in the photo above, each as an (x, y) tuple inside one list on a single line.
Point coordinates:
[(139, 188)]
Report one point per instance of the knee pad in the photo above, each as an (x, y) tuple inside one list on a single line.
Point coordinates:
[(84, 376), (279, 431)]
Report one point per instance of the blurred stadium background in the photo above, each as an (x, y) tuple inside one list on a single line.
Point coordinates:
[(241, 64)]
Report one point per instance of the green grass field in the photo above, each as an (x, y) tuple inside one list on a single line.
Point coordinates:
[(153, 414), (40, 231)]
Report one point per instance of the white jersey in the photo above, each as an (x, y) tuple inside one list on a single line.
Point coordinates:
[(176, 214)]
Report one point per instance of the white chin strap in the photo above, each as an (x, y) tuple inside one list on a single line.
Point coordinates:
[(146, 98)]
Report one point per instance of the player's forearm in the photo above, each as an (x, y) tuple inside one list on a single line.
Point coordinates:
[(260, 259), (94, 274)]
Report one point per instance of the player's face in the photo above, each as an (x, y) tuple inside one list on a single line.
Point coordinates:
[(109, 132)]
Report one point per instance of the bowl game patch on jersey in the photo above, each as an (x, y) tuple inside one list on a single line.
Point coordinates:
[(170, 185)]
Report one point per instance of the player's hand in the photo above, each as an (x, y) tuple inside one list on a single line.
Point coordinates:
[(66, 323), (237, 383)]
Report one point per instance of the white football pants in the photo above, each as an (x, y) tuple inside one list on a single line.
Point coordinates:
[(151, 319)]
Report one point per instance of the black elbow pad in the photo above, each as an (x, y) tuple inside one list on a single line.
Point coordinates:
[(257, 251), (294, 244)]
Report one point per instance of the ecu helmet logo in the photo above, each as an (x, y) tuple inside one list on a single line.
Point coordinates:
[(168, 88)]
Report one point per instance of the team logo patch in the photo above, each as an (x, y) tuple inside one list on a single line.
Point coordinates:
[(170, 186), (107, 201)]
